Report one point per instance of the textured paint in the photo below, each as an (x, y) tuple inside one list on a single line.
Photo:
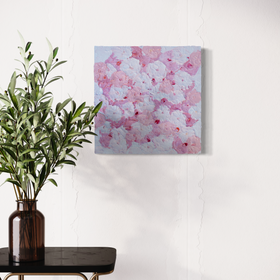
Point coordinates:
[(151, 100)]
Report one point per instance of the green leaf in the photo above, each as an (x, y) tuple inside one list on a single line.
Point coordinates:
[(55, 52), (13, 182), (10, 152), (28, 151), (70, 155), (71, 162), (73, 106), (53, 144), (22, 39), (97, 108), (36, 119), (53, 79), (50, 46), (49, 64), (42, 175), (30, 56), (22, 52), (8, 129), (50, 59), (72, 134), (60, 106), (20, 164), (30, 176), (41, 67), (5, 100), (14, 147), (79, 110), (26, 63), (29, 160), (12, 83), (45, 139), (89, 132), (34, 136), (27, 46), (53, 181), (59, 63), (72, 145), (5, 170)]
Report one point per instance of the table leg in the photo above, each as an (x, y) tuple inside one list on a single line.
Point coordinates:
[(94, 276)]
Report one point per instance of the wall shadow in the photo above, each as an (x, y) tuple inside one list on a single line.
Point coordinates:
[(206, 101)]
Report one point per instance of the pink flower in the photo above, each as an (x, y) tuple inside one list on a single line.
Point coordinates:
[(175, 107), (133, 135), (134, 95), (193, 64), (136, 52), (193, 97), (152, 52), (189, 89), (100, 69), (114, 61), (185, 106), (166, 86), (143, 60), (191, 146), (145, 117), (119, 79), (125, 122), (129, 122), (105, 84), (100, 120), (166, 58), (163, 101), (189, 120), (105, 139), (164, 128)]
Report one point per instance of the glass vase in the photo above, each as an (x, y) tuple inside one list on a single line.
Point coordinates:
[(26, 233)]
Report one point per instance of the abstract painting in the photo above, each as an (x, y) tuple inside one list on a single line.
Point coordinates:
[(151, 100)]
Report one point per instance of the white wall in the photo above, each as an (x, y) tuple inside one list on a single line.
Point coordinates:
[(214, 216)]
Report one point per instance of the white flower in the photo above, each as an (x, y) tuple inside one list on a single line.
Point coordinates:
[(143, 81), (144, 129), (182, 80), (118, 142), (111, 68), (113, 113), (106, 128), (122, 53), (178, 119), (195, 111), (162, 113), (163, 144), (197, 128), (131, 67), (128, 109), (157, 71), (101, 53), (181, 54), (148, 105), (185, 133), (117, 93), (197, 80)]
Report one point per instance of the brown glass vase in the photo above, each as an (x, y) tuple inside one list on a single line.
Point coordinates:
[(26, 233)]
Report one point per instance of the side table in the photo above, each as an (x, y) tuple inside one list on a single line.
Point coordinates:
[(63, 261)]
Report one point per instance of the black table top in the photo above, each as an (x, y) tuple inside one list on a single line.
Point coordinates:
[(64, 260)]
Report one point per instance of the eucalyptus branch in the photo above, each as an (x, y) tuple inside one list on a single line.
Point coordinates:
[(36, 140)]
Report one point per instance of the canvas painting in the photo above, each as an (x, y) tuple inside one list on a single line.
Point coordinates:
[(151, 100)]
